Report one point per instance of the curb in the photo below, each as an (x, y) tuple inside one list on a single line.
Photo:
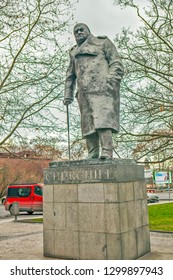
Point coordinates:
[(165, 234)]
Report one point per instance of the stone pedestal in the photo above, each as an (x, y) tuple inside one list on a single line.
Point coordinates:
[(95, 210)]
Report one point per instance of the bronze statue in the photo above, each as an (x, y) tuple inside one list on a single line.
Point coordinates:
[(97, 68)]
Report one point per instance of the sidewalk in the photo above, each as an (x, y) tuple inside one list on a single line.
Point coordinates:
[(24, 241), (21, 241)]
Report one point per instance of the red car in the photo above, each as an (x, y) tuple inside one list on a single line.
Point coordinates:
[(28, 196)]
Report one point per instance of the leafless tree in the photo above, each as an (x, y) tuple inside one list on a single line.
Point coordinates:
[(147, 88), (32, 62)]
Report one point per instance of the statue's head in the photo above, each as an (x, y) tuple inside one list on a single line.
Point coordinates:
[(81, 32)]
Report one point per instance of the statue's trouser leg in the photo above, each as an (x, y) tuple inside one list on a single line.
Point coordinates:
[(105, 136), (92, 142)]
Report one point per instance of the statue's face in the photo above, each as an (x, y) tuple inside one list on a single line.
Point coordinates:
[(81, 33)]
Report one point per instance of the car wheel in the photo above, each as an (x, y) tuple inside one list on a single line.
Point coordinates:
[(11, 209), (30, 212)]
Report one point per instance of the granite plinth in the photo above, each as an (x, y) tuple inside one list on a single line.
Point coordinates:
[(103, 216)]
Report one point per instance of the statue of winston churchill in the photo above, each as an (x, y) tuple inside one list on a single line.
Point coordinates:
[(96, 67)]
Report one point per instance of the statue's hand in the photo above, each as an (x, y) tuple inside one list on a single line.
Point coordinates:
[(110, 84), (67, 101)]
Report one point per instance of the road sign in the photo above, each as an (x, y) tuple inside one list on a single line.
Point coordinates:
[(162, 177)]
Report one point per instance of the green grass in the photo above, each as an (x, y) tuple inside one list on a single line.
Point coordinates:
[(34, 220), (161, 217)]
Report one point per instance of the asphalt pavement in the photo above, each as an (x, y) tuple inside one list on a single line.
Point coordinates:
[(21, 240)]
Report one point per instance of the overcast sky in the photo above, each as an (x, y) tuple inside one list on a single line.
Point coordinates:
[(104, 18)]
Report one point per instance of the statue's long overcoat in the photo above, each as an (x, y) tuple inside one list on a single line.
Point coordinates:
[(97, 68)]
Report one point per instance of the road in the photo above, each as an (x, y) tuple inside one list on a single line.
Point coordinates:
[(165, 195), (5, 215)]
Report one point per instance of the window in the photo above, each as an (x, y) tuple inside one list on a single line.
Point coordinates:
[(13, 192), (38, 190), (19, 192), (24, 192)]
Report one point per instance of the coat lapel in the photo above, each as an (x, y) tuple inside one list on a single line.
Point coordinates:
[(87, 48)]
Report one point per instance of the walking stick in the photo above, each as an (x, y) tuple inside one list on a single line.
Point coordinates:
[(68, 128)]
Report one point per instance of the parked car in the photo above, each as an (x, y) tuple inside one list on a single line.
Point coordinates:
[(3, 199), (152, 198), (28, 196)]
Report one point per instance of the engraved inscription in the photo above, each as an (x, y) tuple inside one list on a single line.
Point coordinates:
[(80, 174)]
